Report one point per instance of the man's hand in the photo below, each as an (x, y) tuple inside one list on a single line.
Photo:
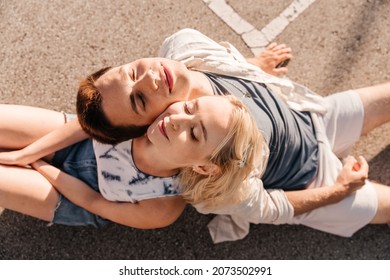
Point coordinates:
[(354, 174), (273, 59)]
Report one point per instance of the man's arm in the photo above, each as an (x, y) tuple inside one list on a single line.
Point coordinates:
[(283, 205), (275, 206), (189, 45), (62, 137), (146, 214), (351, 178)]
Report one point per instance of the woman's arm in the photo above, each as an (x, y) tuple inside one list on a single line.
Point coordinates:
[(146, 214), (62, 137), (351, 178)]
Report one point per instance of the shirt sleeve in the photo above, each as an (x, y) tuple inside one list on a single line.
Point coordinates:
[(261, 206), (189, 44)]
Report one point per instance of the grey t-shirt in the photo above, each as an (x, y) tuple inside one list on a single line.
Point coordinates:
[(290, 134)]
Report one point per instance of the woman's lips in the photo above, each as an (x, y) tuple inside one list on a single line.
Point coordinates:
[(161, 127)]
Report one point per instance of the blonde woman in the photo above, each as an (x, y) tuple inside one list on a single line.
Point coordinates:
[(199, 137)]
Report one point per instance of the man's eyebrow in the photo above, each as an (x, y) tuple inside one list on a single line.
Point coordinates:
[(196, 105), (123, 74), (133, 103)]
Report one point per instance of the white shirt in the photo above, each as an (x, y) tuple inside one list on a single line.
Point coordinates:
[(119, 178)]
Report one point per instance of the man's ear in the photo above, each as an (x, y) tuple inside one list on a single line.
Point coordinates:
[(207, 169)]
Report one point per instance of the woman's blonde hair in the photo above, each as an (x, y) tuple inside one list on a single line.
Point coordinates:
[(242, 151)]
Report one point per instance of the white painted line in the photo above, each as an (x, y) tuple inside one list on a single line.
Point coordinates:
[(257, 40), (229, 16)]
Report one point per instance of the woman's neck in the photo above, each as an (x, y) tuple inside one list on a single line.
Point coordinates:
[(200, 85), (147, 161)]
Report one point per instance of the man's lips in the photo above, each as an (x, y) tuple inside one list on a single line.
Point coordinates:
[(168, 78), (161, 127)]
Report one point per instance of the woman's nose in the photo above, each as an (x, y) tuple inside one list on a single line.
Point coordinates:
[(179, 121)]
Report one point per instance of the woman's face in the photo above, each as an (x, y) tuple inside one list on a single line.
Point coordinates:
[(187, 133), (136, 93)]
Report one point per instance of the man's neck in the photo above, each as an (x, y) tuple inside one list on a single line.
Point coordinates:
[(200, 85)]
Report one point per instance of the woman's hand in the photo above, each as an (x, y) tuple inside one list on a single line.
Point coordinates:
[(62, 137), (273, 59), (15, 158), (38, 164)]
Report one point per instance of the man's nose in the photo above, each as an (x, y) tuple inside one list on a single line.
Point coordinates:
[(154, 79), (150, 80)]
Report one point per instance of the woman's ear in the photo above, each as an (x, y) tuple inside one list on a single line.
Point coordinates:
[(208, 169)]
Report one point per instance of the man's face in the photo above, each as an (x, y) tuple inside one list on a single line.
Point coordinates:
[(137, 92)]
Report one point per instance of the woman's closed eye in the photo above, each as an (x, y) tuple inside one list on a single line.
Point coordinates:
[(187, 110), (193, 137)]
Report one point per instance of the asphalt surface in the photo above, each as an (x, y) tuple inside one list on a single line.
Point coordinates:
[(47, 46)]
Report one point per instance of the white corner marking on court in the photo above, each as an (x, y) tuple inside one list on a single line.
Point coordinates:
[(256, 39)]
